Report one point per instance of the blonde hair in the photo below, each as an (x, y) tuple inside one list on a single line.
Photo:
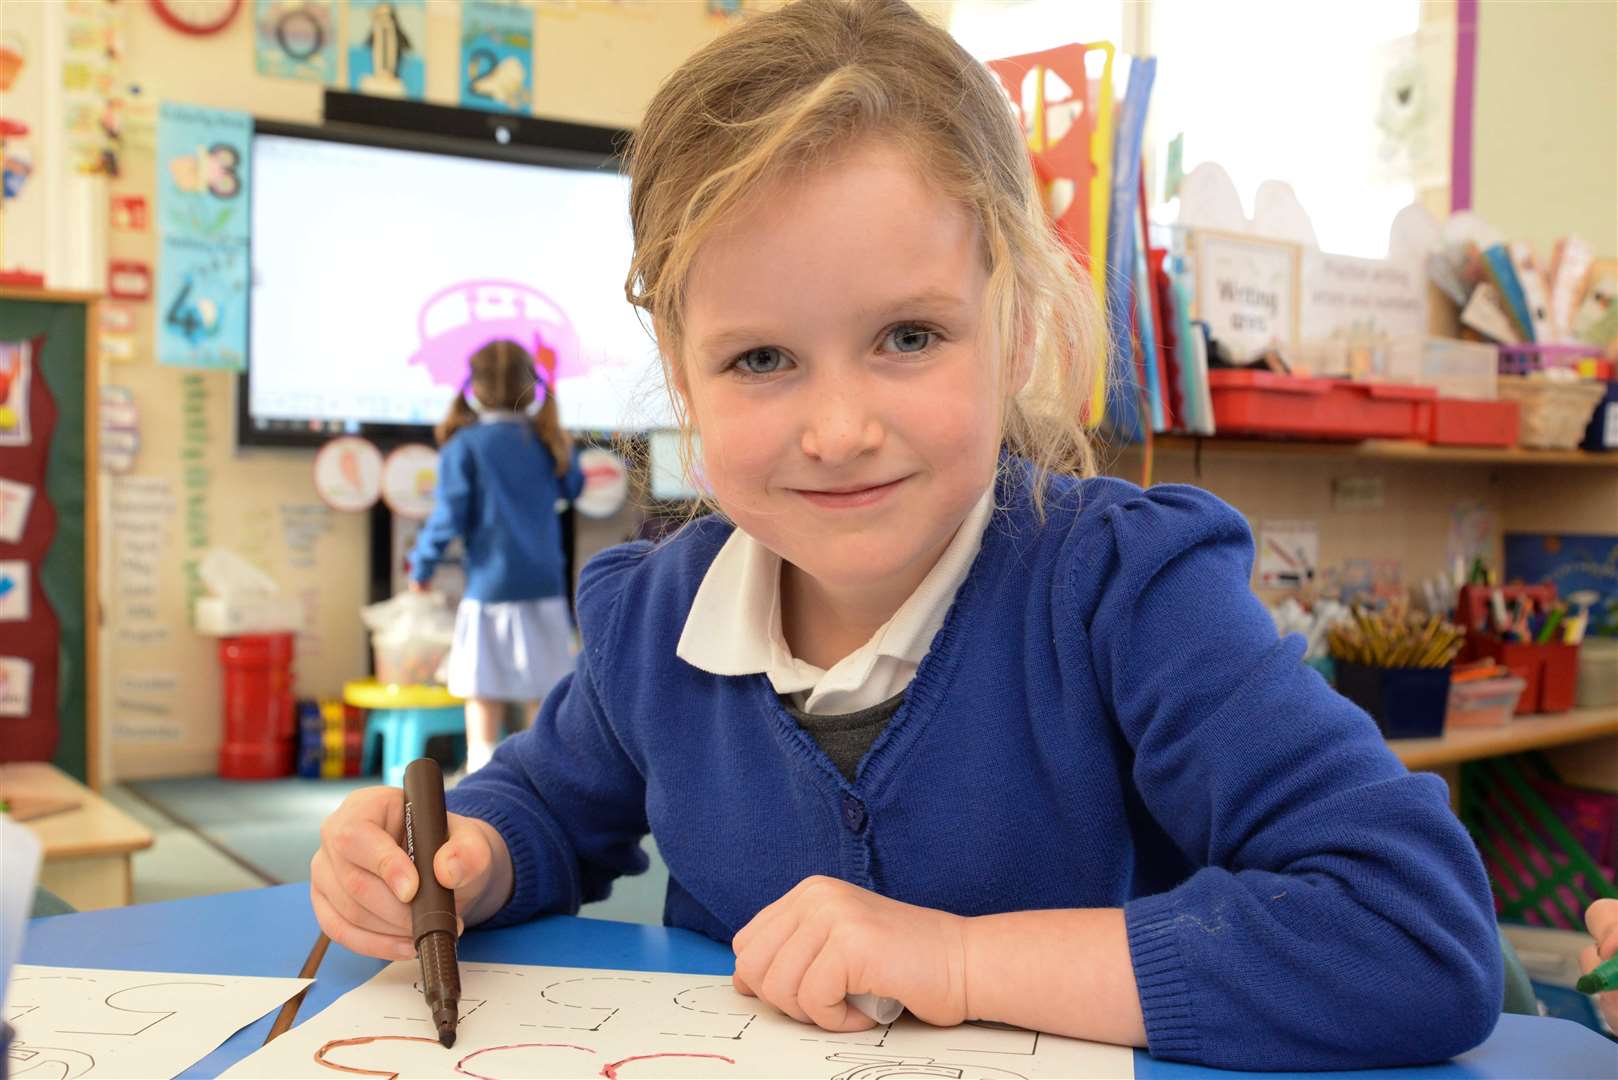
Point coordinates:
[(783, 89), (503, 376)]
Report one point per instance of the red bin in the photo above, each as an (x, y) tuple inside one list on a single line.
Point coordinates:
[(260, 713)]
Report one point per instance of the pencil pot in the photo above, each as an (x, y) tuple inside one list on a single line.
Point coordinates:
[(1551, 672), (1406, 703)]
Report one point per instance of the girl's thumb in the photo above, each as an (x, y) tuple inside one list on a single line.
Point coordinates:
[(463, 857)]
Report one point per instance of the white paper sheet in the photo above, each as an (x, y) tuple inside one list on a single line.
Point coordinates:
[(85, 1022), (519, 1021), (19, 854)]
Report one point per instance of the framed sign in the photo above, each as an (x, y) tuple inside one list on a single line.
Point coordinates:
[(1246, 291)]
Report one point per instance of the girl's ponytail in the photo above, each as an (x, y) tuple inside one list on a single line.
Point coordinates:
[(460, 415), (548, 426)]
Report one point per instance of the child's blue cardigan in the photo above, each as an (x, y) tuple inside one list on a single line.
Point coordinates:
[(1106, 719)]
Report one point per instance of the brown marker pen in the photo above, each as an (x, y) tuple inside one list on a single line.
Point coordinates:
[(432, 911)]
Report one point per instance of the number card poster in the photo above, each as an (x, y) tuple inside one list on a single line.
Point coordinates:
[(202, 213), (497, 56)]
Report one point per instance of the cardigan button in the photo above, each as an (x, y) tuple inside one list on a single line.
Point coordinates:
[(853, 813)]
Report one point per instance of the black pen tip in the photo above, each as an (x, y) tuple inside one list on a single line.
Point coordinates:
[(447, 1037)]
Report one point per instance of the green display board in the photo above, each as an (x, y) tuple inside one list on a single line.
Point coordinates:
[(62, 572)]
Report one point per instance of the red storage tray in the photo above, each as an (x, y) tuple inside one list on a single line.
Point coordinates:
[(1551, 672), (1263, 403), (1461, 422)]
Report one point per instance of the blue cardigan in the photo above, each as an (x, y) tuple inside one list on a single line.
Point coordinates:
[(1105, 719), (497, 491)]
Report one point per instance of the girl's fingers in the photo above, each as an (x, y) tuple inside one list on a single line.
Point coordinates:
[(780, 984), (741, 986), (823, 995), (365, 890), (757, 925), (364, 942), (1601, 918), (1607, 945), (753, 959), (326, 880), (368, 847)]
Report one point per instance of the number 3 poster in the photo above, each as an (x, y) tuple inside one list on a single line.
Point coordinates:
[(202, 212)]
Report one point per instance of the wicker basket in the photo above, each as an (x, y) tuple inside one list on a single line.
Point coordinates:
[(1555, 412)]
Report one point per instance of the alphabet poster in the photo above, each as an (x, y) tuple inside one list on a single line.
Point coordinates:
[(296, 39), (85, 1022), (520, 1021), (387, 47)]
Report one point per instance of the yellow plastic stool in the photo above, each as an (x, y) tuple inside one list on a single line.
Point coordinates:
[(402, 718)]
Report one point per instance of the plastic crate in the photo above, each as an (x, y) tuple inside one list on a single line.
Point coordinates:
[(1456, 369), (1248, 402), (1539, 870), (1461, 422), (1484, 702)]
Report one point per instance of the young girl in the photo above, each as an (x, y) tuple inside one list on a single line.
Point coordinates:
[(505, 462), (927, 711)]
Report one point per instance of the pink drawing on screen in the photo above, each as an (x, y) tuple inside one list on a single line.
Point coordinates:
[(457, 321)]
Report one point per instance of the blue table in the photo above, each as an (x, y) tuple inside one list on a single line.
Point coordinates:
[(270, 931)]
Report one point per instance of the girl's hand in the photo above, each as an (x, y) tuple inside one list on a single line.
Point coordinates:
[(827, 939), (361, 880), (1602, 922)]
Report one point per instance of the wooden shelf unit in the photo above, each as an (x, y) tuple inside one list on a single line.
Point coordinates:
[(1524, 733), (1370, 449)]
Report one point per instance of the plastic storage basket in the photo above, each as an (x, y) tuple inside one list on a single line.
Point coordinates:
[(1484, 703), (1456, 369)]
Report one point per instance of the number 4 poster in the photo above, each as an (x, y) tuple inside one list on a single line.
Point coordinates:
[(202, 211)]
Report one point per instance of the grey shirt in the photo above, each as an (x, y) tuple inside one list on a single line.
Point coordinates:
[(845, 737)]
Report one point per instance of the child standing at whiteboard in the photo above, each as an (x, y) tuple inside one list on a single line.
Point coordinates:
[(927, 710), (505, 461)]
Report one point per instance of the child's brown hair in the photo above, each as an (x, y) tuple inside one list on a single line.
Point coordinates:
[(785, 89), (504, 377)]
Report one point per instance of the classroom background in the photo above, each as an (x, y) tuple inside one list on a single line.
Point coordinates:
[(1361, 269)]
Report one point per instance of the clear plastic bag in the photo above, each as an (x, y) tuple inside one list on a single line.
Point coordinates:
[(410, 635)]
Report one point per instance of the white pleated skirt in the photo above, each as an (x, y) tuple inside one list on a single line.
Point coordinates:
[(514, 651)]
